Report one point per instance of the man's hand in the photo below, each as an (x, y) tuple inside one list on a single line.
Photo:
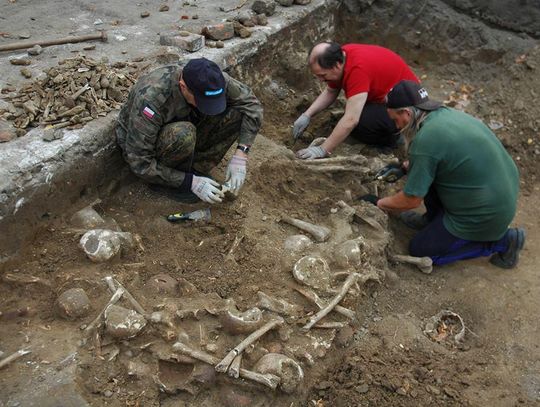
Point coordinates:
[(206, 189), (236, 173), (390, 173), (300, 125), (372, 199), (311, 153)]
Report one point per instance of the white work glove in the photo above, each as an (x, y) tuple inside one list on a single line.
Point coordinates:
[(311, 153), (206, 189), (236, 173), (300, 125)]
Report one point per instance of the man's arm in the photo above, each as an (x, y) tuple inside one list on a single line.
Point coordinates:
[(399, 202), (353, 110), (325, 99)]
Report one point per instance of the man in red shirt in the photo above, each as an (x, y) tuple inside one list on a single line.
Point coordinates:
[(366, 73)]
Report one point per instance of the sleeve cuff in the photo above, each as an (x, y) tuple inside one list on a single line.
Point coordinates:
[(186, 184)]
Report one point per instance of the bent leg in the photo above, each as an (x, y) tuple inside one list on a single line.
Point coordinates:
[(436, 242), (176, 144), (375, 126)]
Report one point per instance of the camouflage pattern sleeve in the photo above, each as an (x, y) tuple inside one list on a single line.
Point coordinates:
[(142, 121), (240, 97)]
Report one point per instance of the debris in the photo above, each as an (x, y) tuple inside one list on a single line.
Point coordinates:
[(14, 356), (7, 131), (320, 233), (73, 304), (35, 50), (424, 264), (219, 32), (289, 371), (353, 277), (267, 7), (190, 42), (223, 366), (446, 325), (268, 380), (123, 323), (145, 14), (241, 31), (163, 8), (20, 61)]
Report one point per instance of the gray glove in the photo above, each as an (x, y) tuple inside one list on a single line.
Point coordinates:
[(300, 125), (236, 173), (206, 189), (311, 153)]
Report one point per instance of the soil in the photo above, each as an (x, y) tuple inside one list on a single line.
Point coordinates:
[(382, 358)]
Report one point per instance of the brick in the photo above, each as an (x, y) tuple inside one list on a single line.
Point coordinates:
[(218, 32), (187, 41)]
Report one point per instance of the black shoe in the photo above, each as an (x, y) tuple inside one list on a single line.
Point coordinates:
[(509, 259), (175, 194), (414, 220)]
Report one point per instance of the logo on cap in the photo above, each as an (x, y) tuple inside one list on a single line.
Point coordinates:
[(213, 92), (423, 93)]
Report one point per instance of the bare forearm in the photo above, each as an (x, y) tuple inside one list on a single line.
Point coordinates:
[(325, 99), (399, 202), (341, 132)]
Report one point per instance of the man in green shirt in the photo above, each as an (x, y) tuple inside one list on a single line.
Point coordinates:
[(467, 180)]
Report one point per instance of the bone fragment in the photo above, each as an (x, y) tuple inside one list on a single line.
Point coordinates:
[(22, 279), (14, 356), (330, 325), (268, 380), (370, 221), (223, 366), (234, 368), (310, 295), (114, 299), (425, 264), (351, 280), (320, 233), (234, 246), (279, 306), (339, 168), (112, 283), (353, 159)]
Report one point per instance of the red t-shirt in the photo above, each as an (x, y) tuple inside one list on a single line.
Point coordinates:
[(371, 69)]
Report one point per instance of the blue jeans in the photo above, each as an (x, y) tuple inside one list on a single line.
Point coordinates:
[(437, 242)]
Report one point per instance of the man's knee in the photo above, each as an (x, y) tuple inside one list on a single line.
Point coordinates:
[(176, 141)]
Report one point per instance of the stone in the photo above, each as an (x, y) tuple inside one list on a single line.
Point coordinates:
[(163, 7), (241, 31), (285, 3), (190, 42), (267, 7), (362, 389), (145, 14), (220, 44), (344, 336), (20, 61), (219, 32), (7, 131), (302, 2), (122, 323), (24, 35), (73, 304), (261, 19), (35, 50)]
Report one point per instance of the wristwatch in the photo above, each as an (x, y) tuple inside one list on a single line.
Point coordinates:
[(243, 148)]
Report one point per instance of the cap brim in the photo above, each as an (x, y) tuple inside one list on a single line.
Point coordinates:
[(429, 105), (211, 106)]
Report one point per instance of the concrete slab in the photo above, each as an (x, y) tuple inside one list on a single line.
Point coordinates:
[(39, 179)]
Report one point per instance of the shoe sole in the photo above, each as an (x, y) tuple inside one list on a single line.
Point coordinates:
[(497, 260)]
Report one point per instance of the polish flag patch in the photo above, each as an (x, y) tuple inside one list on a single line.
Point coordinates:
[(149, 113)]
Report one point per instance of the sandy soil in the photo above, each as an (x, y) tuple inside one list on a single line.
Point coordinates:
[(382, 358)]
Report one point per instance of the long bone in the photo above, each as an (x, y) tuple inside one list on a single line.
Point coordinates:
[(320, 233), (268, 380), (424, 264), (223, 366), (314, 298)]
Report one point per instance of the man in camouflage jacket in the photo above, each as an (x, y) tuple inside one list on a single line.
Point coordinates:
[(178, 118)]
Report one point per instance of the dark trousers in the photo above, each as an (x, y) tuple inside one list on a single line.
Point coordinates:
[(437, 242), (375, 127)]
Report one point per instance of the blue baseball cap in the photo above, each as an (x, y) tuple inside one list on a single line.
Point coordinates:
[(205, 80)]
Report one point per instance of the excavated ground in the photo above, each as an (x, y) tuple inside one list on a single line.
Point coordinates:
[(383, 358)]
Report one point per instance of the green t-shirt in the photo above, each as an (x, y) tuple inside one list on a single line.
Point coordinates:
[(475, 178)]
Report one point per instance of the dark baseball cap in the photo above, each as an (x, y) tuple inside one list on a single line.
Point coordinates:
[(410, 93), (205, 80)]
